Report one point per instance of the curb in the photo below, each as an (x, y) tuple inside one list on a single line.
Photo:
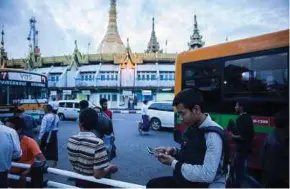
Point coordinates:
[(126, 111)]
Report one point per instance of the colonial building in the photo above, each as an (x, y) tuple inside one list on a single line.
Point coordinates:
[(115, 72)]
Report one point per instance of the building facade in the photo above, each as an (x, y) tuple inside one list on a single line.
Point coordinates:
[(115, 72)]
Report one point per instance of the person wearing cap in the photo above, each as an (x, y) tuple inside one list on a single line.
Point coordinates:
[(30, 122)]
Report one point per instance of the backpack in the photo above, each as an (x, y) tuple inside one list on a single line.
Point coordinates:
[(105, 126), (225, 140)]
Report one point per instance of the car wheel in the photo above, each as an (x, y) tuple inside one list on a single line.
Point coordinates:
[(155, 124), (61, 116)]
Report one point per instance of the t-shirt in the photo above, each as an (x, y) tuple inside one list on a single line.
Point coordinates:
[(245, 129), (109, 113), (30, 150), (87, 153), (9, 147), (144, 109)]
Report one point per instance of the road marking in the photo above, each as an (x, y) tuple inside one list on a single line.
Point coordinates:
[(117, 119)]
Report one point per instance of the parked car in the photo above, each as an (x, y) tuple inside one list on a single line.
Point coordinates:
[(69, 109), (161, 114)]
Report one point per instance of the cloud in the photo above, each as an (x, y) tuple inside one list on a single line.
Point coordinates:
[(60, 22)]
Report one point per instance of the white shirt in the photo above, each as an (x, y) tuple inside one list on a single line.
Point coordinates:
[(54, 104), (46, 124), (144, 109), (9, 147)]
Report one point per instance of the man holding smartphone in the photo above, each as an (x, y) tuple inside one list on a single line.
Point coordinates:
[(202, 159)]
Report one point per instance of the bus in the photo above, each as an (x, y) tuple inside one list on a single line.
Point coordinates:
[(253, 71), (22, 89)]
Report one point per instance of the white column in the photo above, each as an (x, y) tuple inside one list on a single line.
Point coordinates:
[(157, 74), (118, 100), (97, 73)]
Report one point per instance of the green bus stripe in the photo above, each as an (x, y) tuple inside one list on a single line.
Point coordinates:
[(223, 120)]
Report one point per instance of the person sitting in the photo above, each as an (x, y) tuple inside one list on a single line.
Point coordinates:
[(87, 153), (202, 159), (29, 147)]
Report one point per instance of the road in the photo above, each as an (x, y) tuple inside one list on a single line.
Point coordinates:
[(134, 162)]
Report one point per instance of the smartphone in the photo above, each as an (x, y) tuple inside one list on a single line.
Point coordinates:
[(151, 150)]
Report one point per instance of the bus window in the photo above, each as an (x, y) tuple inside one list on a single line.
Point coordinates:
[(270, 79), (237, 75), (206, 77), (17, 94), (258, 76)]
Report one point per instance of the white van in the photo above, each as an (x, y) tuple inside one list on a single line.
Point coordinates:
[(69, 109), (161, 114)]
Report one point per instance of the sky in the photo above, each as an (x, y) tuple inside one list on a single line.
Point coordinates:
[(60, 22)]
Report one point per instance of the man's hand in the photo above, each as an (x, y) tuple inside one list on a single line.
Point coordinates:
[(165, 159), (113, 168), (160, 150), (171, 151), (166, 150), (235, 136)]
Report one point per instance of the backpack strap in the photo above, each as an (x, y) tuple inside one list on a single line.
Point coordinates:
[(224, 137)]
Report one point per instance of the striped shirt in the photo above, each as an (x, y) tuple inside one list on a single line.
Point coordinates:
[(87, 153)]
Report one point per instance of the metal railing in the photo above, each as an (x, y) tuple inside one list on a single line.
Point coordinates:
[(47, 183), (110, 182)]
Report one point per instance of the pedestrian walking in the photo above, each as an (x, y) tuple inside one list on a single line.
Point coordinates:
[(144, 125), (47, 138)]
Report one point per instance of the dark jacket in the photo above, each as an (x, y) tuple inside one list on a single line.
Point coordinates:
[(193, 149), (245, 128)]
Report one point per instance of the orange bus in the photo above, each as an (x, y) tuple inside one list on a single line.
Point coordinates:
[(253, 71), (23, 89)]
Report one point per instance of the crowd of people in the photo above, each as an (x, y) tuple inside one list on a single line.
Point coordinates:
[(202, 161)]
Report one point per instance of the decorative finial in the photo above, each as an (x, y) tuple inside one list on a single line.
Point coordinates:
[(195, 38), (153, 45), (76, 44), (153, 24), (195, 21)]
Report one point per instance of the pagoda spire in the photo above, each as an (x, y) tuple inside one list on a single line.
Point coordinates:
[(3, 54), (153, 45), (112, 42), (2, 38), (195, 39)]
